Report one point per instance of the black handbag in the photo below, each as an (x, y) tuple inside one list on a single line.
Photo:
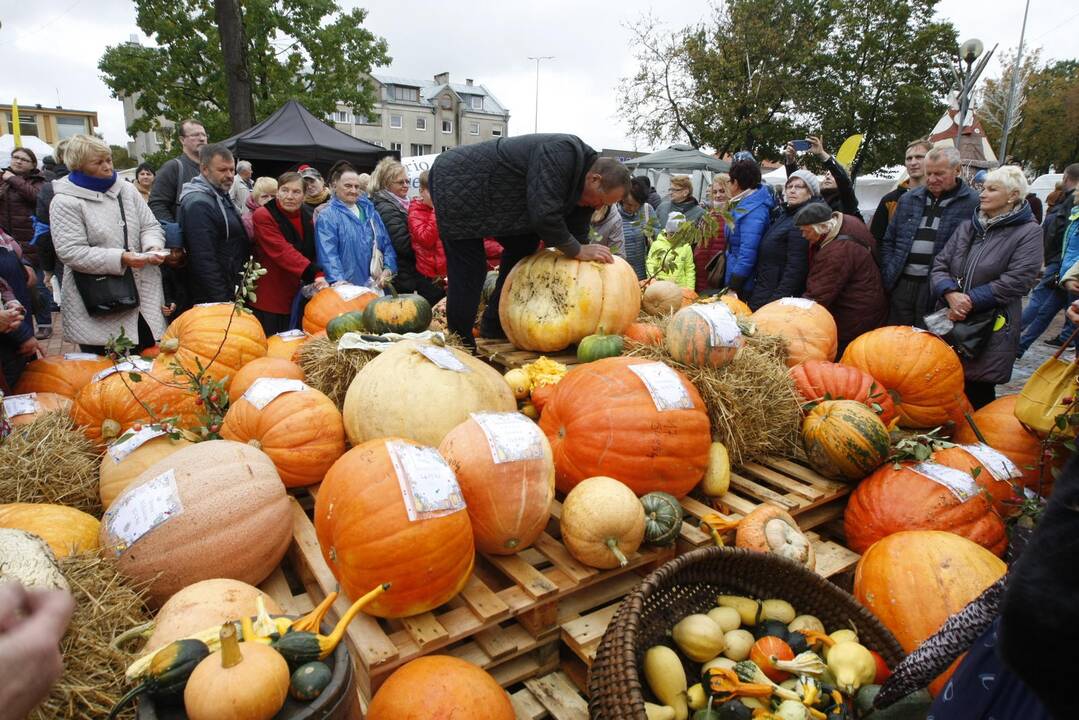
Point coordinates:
[(105, 294), (970, 337), (716, 270)]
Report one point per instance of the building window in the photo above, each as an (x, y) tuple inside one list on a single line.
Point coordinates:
[(397, 121), (496, 131), (373, 119), (406, 93), (375, 142), (477, 102), (395, 146), (68, 126), (342, 116), (445, 102), (446, 147), (421, 123), (419, 149), (447, 126), (473, 128), (27, 124)]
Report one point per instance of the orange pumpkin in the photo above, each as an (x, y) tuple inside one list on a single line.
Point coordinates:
[(769, 529), (199, 336), (913, 581), (65, 529), (736, 306), (541, 394), (509, 501), (844, 439), (1003, 432), (367, 537), (602, 420), (921, 372), (107, 407), (991, 478), (663, 297), (891, 500), (644, 333), (330, 302), (808, 328), (285, 345), (440, 686), (302, 432), (704, 336), (61, 374), (818, 380), (43, 402), (263, 367), (767, 650), (115, 476)]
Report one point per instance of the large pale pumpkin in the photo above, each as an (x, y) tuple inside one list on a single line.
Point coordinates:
[(921, 372), (1003, 432), (402, 393), (61, 374), (913, 581), (602, 419), (330, 302), (42, 402), (844, 439), (115, 475), (302, 432), (704, 336), (818, 380), (221, 511), (199, 336), (285, 344), (602, 522), (808, 328), (550, 302), (505, 469), (450, 687), (663, 297), (107, 407), (64, 528), (367, 537), (263, 367), (203, 605)]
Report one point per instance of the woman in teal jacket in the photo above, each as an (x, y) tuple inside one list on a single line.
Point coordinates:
[(346, 232), (751, 205)]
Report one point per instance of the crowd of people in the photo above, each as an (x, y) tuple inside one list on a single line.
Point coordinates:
[(180, 235)]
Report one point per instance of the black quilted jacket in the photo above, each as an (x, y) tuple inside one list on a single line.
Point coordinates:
[(396, 221), (524, 185)]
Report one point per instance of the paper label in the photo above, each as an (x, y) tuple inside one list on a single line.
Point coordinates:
[(81, 356), (803, 303), (664, 385), (264, 390), (428, 485), (997, 463), (292, 335), (960, 483), (511, 436), (134, 365), (722, 325), (442, 357), (351, 292), (129, 442), (142, 509), (213, 304), (15, 405)]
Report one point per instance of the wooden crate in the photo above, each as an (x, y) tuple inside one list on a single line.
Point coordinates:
[(503, 354), (552, 696)]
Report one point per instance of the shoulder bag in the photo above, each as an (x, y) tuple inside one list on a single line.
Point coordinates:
[(105, 294)]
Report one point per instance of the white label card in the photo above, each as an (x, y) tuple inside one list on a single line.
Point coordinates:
[(997, 463), (351, 292), (428, 485), (803, 303), (21, 404), (442, 357), (291, 335), (213, 304), (960, 483), (665, 386), (722, 325), (129, 442), (511, 436), (81, 356), (134, 365), (139, 511), (264, 390)]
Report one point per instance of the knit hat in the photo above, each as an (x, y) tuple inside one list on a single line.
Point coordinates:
[(808, 178), (744, 155), (813, 213), (674, 221)]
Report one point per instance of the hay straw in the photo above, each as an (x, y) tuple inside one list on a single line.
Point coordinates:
[(50, 461), (106, 604)]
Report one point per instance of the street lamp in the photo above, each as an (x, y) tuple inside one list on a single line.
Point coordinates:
[(968, 53), (535, 121)]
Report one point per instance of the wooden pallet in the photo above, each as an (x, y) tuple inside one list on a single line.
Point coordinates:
[(503, 354), (550, 696)]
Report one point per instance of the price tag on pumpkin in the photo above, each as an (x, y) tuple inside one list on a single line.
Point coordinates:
[(15, 405), (129, 442), (803, 303), (960, 483), (134, 365), (292, 335), (722, 326), (428, 485), (997, 463), (351, 292), (664, 385), (81, 356), (443, 357), (213, 304), (264, 390), (140, 509), (511, 436)]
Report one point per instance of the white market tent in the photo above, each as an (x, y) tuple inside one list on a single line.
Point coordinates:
[(679, 160)]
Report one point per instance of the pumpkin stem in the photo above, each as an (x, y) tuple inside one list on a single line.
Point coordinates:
[(312, 620), (612, 543), (230, 646), (255, 443), (110, 429), (339, 630), (974, 427), (393, 290)]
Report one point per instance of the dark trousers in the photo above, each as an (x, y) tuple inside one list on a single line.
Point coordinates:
[(272, 323), (980, 393), (910, 301), (466, 269), (145, 340), (41, 298)]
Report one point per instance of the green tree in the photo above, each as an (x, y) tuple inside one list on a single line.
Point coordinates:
[(992, 100), (121, 159), (1049, 133), (309, 50)]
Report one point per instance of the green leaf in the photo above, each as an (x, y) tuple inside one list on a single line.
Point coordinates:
[(134, 377), (1061, 422)]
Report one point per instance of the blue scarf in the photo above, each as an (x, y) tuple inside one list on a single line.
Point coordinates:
[(92, 183)]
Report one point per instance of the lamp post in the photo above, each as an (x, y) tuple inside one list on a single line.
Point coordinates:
[(968, 53), (535, 121)]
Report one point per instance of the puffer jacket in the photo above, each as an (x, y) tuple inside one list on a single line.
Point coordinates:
[(996, 262), (751, 215), (680, 270), (344, 242), (782, 259), (427, 245), (395, 219), (216, 242), (18, 201), (609, 232)]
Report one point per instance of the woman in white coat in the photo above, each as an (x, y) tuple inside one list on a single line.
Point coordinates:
[(102, 226)]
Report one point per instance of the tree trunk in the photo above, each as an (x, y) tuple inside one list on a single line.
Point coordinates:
[(234, 53)]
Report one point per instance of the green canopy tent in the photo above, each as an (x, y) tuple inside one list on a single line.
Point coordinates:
[(679, 160)]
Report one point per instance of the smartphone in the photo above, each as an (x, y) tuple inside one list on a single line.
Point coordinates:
[(801, 145)]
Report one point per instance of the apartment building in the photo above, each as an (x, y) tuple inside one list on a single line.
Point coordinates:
[(49, 124)]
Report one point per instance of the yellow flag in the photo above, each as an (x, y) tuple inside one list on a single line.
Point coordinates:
[(15, 129), (845, 155)]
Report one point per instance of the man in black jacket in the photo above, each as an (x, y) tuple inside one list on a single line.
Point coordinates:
[(214, 236), (914, 160), (165, 194), (521, 190)]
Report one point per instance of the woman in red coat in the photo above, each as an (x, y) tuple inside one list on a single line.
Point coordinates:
[(430, 256), (285, 246)]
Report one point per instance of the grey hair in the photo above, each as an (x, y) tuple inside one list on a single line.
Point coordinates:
[(1011, 178), (208, 152), (945, 153), (242, 166)]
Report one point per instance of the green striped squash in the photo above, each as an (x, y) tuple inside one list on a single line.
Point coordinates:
[(844, 439)]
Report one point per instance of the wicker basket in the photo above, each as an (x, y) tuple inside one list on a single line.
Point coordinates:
[(689, 584)]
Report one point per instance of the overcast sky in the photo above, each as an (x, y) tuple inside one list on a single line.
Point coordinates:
[(49, 51)]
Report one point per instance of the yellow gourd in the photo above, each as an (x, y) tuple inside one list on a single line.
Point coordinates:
[(839, 636), (698, 698), (665, 675), (717, 478), (739, 643), (852, 665), (748, 608), (658, 712), (699, 637), (726, 617), (806, 622), (248, 682), (520, 383), (780, 610)]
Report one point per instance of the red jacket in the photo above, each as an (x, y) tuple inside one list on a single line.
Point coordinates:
[(288, 258), (702, 255), (430, 255)]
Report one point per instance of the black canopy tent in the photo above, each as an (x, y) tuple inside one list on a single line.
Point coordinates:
[(293, 136)]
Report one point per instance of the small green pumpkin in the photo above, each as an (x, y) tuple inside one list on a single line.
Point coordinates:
[(599, 346), (662, 518), (309, 680), (298, 647), (352, 321), (397, 314)]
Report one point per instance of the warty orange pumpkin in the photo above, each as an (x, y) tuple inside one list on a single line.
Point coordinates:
[(365, 530), (770, 529), (449, 686), (807, 326), (65, 529), (33, 405), (1003, 432), (602, 419), (61, 374), (330, 302), (844, 439), (818, 380), (199, 336), (704, 335), (263, 367), (107, 407)]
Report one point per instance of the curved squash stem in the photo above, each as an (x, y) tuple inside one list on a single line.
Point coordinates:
[(248, 628), (613, 545), (313, 620), (127, 698), (140, 631), (230, 646), (328, 644), (725, 680), (716, 525)]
